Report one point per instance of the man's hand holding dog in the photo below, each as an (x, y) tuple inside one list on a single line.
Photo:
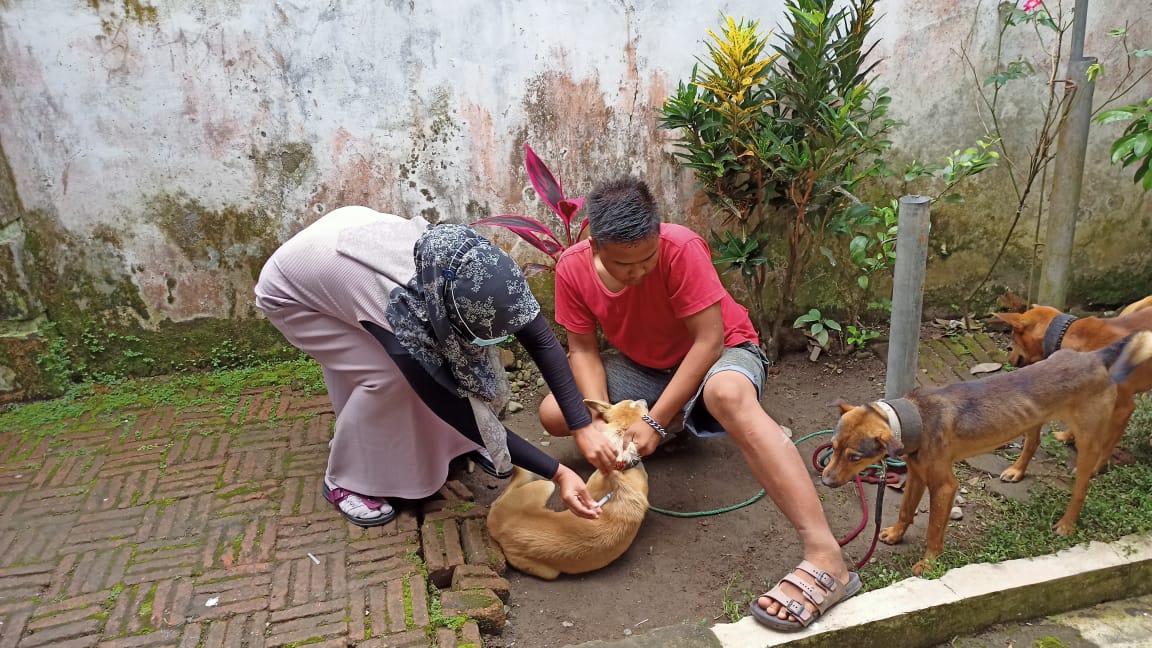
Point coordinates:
[(644, 436), (595, 446)]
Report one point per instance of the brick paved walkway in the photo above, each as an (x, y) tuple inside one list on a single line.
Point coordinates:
[(949, 359), (189, 528)]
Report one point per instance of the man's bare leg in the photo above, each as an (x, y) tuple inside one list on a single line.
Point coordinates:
[(777, 465)]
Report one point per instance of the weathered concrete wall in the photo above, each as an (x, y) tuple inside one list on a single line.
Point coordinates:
[(157, 151), (935, 93)]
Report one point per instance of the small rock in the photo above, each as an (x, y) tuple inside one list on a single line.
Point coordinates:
[(545, 443), (963, 490), (567, 624), (507, 359), (985, 367), (540, 382), (514, 407), (627, 632), (957, 513), (959, 500)]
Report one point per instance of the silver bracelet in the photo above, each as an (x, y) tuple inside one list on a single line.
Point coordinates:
[(655, 426)]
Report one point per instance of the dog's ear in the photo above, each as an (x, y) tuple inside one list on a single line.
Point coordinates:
[(844, 405), (1013, 319), (600, 407)]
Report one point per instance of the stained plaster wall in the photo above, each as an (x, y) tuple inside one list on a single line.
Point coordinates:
[(157, 152)]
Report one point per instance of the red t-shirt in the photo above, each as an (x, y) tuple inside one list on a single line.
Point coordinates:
[(645, 321)]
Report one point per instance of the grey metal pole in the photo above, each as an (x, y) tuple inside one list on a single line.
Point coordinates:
[(1067, 180), (1079, 25), (913, 223)]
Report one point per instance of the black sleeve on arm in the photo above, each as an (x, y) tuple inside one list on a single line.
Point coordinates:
[(455, 410), (550, 358)]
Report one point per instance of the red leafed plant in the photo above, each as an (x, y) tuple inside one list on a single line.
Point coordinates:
[(536, 233)]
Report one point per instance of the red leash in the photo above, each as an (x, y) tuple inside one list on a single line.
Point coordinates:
[(882, 482)]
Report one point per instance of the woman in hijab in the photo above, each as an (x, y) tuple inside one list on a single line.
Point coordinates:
[(403, 318)]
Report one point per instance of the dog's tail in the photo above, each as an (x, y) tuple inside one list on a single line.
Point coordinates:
[(1123, 357)]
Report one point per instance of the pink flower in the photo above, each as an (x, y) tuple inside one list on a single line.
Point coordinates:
[(1029, 5)]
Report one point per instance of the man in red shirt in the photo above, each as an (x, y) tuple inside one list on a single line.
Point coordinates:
[(684, 345)]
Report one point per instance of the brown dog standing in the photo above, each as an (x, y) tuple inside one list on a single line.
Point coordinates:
[(546, 543), (1041, 330), (931, 429)]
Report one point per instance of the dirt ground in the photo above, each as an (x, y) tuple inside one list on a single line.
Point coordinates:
[(687, 569)]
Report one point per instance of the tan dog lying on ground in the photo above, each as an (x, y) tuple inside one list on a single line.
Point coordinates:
[(1136, 306), (1041, 330), (931, 429), (546, 543)]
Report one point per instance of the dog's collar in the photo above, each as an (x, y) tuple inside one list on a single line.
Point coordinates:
[(893, 419), (1054, 336), (904, 419)]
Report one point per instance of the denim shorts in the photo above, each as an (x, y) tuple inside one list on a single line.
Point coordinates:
[(628, 380)]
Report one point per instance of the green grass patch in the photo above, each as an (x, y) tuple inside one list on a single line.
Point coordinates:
[(735, 599), (107, 402), (1138, 437)]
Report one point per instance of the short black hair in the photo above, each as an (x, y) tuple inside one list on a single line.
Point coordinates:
[(622, 210)]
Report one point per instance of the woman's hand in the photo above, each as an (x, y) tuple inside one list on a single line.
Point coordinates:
[(595, 446), (574, 493)]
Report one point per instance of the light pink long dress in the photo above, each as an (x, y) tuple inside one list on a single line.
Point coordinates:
[(387, 443)]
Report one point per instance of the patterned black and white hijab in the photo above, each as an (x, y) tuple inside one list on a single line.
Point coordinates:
[(464, 288)]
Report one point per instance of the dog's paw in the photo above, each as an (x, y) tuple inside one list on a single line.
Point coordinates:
[(1064, 436), (921, 567), (891, 535), (1064, 528), (1011, 475)]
